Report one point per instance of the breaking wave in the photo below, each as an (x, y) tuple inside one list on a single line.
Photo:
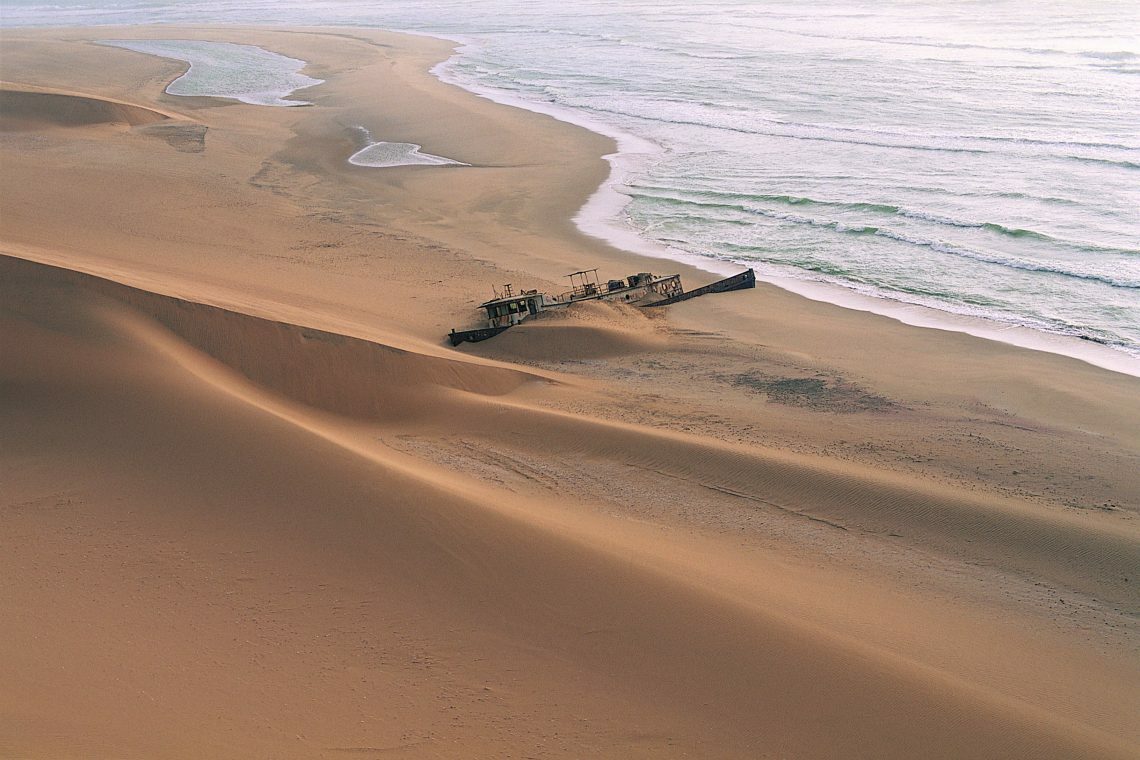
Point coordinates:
[(745, 203)]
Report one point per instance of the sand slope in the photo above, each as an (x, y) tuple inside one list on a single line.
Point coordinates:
[(230, 544), (29, 109), (253, 505)]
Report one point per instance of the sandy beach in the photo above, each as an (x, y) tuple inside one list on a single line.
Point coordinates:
[(252, 503)]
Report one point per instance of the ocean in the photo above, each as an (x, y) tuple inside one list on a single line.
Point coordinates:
[(978, 159)]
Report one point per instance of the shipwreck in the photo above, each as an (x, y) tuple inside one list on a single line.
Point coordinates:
[(644, 290)]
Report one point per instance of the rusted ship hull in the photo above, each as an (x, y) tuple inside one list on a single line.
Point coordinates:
[(742, 281), (507, 311), (474, 336)]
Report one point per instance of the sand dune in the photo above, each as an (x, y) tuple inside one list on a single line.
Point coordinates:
[(29, 109), (1095, 556), (453, 608), (253, 505), (371, 379), (590, 331)]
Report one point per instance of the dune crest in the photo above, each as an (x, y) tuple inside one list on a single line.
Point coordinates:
[(22, 109), (581, 332), (253, 504), (372, 381), (118, 373)]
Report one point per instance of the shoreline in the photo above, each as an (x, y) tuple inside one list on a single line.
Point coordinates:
[(259, 506), (279, 92), (602, 217)]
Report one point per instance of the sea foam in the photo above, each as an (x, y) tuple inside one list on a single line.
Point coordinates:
[(1001, 175), (386, 154)]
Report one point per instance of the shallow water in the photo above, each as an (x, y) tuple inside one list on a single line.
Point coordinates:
[(226, 70), (388, 154), (977, 158)]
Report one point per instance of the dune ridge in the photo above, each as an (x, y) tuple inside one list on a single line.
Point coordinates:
[(1097, 557), (588, 331), (252, 503), (31, 108), (366, 380), (448, 543), (297, 362)]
